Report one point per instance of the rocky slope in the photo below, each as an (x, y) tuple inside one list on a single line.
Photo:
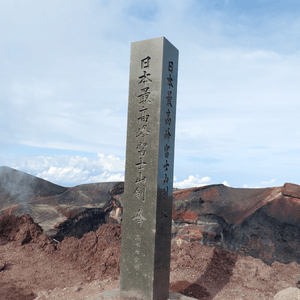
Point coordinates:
[(47, 203), (34, 266), (263, 223)]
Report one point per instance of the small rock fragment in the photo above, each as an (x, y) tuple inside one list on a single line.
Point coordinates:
[(75, 289), (42, 295), (298, 283), (2, 265), (290, 293)]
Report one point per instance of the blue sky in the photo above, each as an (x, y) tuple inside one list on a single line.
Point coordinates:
[(64, 77)]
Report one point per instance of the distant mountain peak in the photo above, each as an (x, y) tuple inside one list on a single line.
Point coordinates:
[(21, 185)]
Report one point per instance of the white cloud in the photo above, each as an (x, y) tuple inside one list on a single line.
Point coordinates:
[(67, 174), (225, 183), (238, 85), (251, 187), (110, 163), (74, 170), (104, 177), (269, 182), (192, 181)]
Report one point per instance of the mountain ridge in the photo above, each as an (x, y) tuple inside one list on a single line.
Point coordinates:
[(263, 223)]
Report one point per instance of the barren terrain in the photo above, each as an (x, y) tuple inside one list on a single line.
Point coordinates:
[(34, 266)]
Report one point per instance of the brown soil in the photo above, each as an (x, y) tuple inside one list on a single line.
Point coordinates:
[(34, 266)]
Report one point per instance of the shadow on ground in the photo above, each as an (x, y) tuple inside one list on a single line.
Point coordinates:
[(11, 292), (215, 277)]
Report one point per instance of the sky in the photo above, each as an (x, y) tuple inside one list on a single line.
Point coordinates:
[(64, 80)]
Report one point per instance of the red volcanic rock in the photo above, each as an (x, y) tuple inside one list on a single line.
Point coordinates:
[(291, 190), (83, 268), (263, 223), (22, 230)]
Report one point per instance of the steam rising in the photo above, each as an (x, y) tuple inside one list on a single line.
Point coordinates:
[(17, 187)]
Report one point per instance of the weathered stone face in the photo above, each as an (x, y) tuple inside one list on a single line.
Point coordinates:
[(147, 216)]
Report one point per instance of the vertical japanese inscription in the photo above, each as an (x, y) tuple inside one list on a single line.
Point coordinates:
[(167, 134), (146, 231), (143, 120)]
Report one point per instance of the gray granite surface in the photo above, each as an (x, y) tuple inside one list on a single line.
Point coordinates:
[(114, 295), (147, 215)]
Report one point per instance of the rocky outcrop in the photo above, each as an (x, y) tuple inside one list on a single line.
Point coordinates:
[(263, 223), (22, 230), (90, 220), (50, 204)]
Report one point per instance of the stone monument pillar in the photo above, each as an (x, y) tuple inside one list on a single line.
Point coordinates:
[(147, 215)]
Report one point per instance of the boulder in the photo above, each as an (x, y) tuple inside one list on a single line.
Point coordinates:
[(290, 293)]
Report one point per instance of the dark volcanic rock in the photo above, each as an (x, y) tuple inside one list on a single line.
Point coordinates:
[(49, 204), (92, 194), (90, 220), (263, 223), (265, 237)]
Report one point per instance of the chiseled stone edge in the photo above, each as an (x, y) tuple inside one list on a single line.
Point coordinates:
[(114, 295)]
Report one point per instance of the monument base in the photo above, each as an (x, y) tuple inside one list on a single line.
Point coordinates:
[(114, 295)]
